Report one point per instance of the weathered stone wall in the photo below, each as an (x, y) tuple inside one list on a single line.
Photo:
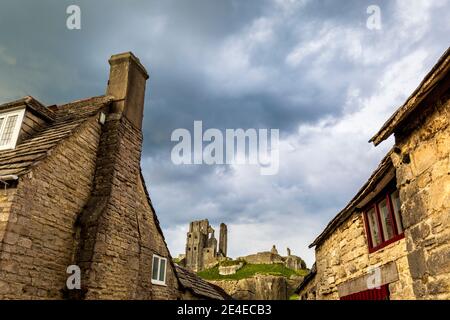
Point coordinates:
[(344, 256), (223, 240), (259, 287), (196, 242), (423, 178), (38, 243), (294, 262), (152, 242), (44, 229), (309, 291), (108, 252), (202, 251), (263, 258), (268, 257), (227, 270), (6, 201), (113, 254)]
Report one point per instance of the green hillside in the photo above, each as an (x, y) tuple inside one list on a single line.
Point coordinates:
[(250, 270)]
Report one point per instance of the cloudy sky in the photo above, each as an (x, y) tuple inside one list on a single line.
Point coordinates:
[(311, 69)]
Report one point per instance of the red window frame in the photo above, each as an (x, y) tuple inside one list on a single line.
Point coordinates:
[(385, 194)]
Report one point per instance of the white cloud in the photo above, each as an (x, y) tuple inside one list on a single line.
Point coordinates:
[(290, 6), (231, 68), (323, 162), (327, 45), (414, 17)]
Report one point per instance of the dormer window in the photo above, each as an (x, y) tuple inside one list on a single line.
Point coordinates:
[(10, 123)]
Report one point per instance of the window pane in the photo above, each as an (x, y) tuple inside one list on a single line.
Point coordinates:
[(162, 270), (155, 268), (1, 122), (386, 223), (8, 130), (395, 199), (373, 226)]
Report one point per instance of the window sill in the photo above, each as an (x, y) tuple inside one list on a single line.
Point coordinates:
[(7, 147), (159, 283), (386, 243)]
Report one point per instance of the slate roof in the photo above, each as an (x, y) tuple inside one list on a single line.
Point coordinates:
[(33, 104), (198, 286), (63, 121)]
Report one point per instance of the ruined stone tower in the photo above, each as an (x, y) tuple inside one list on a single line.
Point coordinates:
[(223, 240), (201, 245)]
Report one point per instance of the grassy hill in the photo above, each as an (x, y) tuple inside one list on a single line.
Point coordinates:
[(250, 270)]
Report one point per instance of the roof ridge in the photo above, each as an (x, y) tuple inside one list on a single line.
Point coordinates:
[(98, 99), (33, 104)]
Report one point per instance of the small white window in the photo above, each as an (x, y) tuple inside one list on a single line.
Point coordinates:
[(159, 270), (10, 123)]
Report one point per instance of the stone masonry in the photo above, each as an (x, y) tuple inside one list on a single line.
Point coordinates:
[(423, 175), (417, 264), (344, 257), (272, 257), (201, 246), (72, 193)]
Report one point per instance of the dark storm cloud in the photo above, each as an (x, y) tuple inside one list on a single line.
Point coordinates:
[(310, 68)]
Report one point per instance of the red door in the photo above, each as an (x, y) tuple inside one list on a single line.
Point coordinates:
[(381, 293)]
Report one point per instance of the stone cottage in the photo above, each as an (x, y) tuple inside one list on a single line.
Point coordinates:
[(392, 241), (72, 194)]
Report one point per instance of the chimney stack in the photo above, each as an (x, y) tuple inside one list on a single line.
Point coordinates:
[(127, 80)]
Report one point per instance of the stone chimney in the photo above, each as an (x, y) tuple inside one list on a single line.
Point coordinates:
[(113, 206), (127, 80)]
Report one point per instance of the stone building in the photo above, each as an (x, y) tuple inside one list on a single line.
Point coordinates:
[(273, 257), (72, 194), (201, 246), (392, 241)]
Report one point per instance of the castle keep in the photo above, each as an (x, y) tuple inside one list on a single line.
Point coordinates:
[(201, 245), (203, 251)]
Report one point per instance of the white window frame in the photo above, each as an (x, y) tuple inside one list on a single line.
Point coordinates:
[(20, 115), (160, 259)]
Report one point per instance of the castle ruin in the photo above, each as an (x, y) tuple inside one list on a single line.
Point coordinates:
[(202, 249)]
